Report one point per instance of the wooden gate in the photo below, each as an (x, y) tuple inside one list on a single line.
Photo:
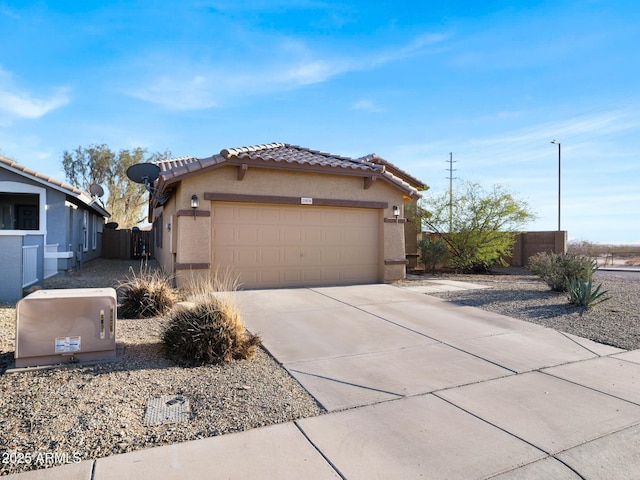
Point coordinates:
[(127, 244)]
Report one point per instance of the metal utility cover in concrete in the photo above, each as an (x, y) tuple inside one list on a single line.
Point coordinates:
[(167, 409)]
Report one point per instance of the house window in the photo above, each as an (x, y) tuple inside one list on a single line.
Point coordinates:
[(94, 232), (85, 230), (22, 209), (19, 211)]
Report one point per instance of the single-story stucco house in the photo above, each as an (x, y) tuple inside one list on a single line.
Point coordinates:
[(46, 226), (280, 215)]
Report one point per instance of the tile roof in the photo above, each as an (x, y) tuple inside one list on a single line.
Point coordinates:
[(280, 152), (66, 188), (378, 160), (282, 155)]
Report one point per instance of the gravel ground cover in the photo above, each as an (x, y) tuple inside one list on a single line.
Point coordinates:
[(86, 412), (615, 322)]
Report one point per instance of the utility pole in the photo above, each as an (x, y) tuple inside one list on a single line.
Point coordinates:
[(559, 177), (451, 179)]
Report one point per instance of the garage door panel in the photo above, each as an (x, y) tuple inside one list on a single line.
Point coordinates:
[(224, 214), (287, 245), (269, 216), (247, 235), (313, 235), (242, 257), (223, 236), (291, 236), (290, 217), (268, 257), (246, 215), (290, 257), (269, 234)]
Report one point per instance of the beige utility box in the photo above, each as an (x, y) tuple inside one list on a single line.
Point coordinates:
[(60, 326)]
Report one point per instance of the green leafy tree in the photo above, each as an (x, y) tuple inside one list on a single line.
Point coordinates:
[(125, 200), (478, 226)]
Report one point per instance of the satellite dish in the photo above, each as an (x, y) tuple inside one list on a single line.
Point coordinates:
[(146, 174), (96, 190), (111, 225)]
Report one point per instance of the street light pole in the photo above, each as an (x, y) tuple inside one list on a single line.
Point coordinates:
[(559, 177)]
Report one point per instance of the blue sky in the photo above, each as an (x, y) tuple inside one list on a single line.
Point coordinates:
[(493, 82)]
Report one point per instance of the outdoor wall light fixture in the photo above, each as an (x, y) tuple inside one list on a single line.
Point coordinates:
[(396, 211), (195, 203)]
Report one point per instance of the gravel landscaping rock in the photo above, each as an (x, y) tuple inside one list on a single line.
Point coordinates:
[(615, 322), (86, 412)]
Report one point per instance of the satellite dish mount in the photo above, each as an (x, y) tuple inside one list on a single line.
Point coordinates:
[(96, 192), (146, 174)]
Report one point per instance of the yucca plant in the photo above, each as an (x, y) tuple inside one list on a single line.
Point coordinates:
[(146, 294), (583, 294)]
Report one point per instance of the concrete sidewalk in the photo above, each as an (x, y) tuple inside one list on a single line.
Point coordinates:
[(416, 388)]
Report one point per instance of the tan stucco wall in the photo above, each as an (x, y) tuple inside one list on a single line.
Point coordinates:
[(192, 237)]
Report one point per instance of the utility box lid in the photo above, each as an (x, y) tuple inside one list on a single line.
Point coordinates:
[(58, 326)]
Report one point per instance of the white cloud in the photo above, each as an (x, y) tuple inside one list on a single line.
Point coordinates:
[(18, 103), (23, 105), (367, 106), (292, 64), (176, 93)]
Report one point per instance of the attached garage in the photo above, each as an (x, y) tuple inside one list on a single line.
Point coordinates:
[(279, 215), (295, 245)]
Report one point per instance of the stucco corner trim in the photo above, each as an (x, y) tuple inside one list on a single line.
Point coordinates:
[(193, 266), (396, 262)]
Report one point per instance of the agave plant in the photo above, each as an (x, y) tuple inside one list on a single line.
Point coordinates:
[(583, 294)]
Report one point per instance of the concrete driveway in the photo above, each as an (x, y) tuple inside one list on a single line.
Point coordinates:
[(418, 388), (423, 388)]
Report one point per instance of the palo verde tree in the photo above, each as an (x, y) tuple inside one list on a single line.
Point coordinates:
[(477, 225), (125, 200)]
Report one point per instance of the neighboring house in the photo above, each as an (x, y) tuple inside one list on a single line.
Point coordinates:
[(280, 215), (46, 226)]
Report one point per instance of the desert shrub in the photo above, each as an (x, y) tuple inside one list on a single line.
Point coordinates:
[(478, 225), (582, 293), (555, 269), (146, 294), (211, 331), (432, 252)]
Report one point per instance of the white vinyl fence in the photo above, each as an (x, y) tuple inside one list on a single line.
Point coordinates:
[(50, 260)]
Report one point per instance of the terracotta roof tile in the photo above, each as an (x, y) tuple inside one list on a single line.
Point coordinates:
[(395, 170), (294, 154), (283, 153), (40, 176), (81, 195)]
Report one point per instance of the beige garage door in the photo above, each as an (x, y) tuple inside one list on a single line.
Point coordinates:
[(295, 245)]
